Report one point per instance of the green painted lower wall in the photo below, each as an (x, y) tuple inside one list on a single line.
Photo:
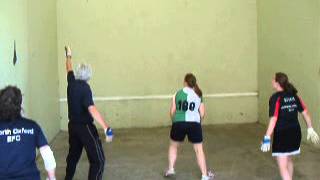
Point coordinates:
[(145, 47), (34, 30), (288, 41), (154, 113)]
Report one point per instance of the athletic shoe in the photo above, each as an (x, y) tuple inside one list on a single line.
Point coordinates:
[(209, 176), (169, 173)]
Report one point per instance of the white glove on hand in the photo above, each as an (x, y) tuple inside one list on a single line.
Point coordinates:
[(68, 51), (313, 136), (265, 146), (51, 178)]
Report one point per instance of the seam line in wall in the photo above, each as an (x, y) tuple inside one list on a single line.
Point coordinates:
[(159, 97)]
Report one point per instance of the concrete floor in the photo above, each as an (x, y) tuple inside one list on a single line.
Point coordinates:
[(232, 151)]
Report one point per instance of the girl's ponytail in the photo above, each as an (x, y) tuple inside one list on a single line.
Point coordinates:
[(191, 81), (283, 80), (198, 90), (290, 89)]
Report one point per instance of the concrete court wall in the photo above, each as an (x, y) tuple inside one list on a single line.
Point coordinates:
[(36, 73), (288, 41), (145, 47)]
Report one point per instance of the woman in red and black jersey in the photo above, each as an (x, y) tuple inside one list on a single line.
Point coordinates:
[(284, 106)]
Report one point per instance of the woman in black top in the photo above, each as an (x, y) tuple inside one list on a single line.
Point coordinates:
[(284, 106)]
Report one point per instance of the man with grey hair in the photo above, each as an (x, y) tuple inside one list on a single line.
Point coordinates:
[(83, 72), (82, 132)]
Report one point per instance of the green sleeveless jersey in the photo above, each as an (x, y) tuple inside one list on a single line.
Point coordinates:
[(187, 106)]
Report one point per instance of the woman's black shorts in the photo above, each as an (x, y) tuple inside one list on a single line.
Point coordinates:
[(180, 130)]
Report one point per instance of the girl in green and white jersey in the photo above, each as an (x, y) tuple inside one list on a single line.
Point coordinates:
[(187, 111)]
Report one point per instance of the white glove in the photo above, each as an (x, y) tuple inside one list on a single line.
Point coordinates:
[(68, 51), (51, 178), (313, 136), (265, 146)]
